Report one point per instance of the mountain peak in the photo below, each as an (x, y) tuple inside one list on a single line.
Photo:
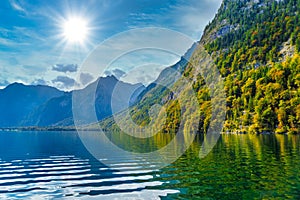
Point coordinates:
[(108, 79), (15, 84)]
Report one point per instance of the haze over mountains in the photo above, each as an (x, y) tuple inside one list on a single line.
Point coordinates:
[(43, 106), (25, 105), (255, 45), (17, 101)]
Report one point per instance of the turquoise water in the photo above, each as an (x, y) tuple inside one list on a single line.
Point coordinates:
[(56, 165)]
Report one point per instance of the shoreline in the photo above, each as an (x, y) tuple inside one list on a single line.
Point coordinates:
[(70, 129)]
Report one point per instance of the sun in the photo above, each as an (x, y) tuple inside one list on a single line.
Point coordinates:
[(75, 30)]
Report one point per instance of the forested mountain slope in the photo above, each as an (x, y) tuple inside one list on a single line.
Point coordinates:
[(255, 45)]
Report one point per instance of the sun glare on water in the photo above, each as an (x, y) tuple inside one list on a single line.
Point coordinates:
[(75, 30)]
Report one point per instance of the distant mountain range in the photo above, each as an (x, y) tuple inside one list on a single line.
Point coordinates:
[(44, 106), (255, 45), (26, 105), (17, 101)]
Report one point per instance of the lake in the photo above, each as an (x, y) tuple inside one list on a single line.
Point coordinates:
[(56, 165)]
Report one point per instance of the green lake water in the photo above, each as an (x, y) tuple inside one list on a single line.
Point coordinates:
[(56, 165)]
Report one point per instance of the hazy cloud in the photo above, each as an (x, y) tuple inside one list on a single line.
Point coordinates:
[(189, 17), (85, 78), (12, 43), (13, 61), (118, 73), (192, 16), (141, 47), (39, 82), (27, 33), (32, 70), (22, 40), (4, 83), (115, 72), (15, 4), (64, 81), (107, 73), (196, 18), (144, 74), (65, 68)]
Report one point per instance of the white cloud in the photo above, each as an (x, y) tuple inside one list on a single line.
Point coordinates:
[(20, 39), (192, 16), (39, 82), (65, 68), (34, 60), (115, 72), (4, 83), (189, 17), (15, 4), (32, 70), (86, 78), (11, 43), (64, 82), (13, 69), (135, 48), (25, 32), (33, 50), (118, 73), (143, 74), (6, 42)]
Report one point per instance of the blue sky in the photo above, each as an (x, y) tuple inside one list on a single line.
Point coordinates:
[(33, 50)]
